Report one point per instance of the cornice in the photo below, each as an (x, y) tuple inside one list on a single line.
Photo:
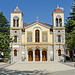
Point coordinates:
[(42, 43), (58, 27), (15, 28)]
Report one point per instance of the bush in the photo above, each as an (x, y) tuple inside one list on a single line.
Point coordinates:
[(6, 54)]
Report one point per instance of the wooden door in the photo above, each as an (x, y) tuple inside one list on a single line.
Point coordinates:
[(44, 56), (30, 56), (37, 55)]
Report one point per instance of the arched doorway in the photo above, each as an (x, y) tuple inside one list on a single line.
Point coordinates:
[(15, 52), (59, 52), (44, 55), (30, 56), (37, 55)]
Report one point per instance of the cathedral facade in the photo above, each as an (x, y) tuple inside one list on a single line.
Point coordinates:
[(37, 41)]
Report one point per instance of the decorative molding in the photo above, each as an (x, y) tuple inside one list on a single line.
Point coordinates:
[(16, 49), (39, 24), (15, 46), (17, 28), (58, 27), (60, 49)]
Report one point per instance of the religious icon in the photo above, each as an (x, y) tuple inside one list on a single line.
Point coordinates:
[(45, 36), (29, 36)]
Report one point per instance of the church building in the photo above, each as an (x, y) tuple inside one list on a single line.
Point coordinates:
[(37, 41)]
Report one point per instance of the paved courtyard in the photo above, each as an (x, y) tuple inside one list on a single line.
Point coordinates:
[(38, 68)]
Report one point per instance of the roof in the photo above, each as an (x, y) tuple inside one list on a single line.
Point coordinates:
[(38, 22), (17, 10), (58, 9)]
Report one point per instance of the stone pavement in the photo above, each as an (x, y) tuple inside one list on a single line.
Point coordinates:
[(38, 68), (72, 64), (2, 65)]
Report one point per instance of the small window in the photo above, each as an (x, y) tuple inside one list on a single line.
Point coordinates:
[(58, 30), (15, 38), (59, 52), (59, 38), (15, 52), (15, 31), (37, 36)]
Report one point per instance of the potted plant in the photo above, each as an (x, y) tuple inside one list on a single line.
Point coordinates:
[(51, 59)]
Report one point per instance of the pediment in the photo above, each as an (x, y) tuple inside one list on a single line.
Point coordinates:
[(37, 23)]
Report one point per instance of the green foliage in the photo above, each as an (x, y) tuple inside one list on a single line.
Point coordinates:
[(6, 54), (70, 30), (4, 34)]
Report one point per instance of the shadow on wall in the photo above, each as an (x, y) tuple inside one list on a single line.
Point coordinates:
[(15, 72)]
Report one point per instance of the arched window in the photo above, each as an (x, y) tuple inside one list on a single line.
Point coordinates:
[(15, 38), (59, 38), (59, 52), (15, 52), (56, 22), (18, 23), (15, 21), (60, 22), (37, 36)]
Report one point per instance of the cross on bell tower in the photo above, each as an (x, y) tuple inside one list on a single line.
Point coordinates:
[(37, 18)]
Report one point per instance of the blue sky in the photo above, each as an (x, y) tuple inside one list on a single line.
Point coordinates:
[(32, 8)]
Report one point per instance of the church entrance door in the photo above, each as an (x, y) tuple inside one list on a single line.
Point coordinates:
[(30, 56), (37, 55), (44, 55)]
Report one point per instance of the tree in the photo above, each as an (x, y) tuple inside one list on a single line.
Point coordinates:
[(4, 34), (70, 31)]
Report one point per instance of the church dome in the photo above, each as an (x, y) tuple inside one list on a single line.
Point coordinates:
[(58, 9), (17, 10)]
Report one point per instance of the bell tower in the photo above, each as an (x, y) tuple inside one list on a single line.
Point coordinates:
[(16, 33), (16, 19), (58, 34)]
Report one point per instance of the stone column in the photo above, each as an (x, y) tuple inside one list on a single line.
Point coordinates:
[(26, 53), (33, 55), (15, 23), (20, 52), (40, 55), (47, 56), (48, 52)]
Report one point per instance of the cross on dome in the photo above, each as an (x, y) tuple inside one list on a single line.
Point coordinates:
[(58, 9), (57, 6), (17, 7)]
